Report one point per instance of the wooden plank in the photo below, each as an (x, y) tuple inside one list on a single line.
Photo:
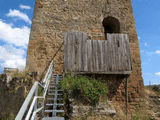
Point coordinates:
[(114, 45), (95, 64), (69, 52), (116, 54), (79, 38), (120, 55), (100, 55), (124, 53), (128, 52), (84, 44), (73, 61), (72, 52), (82, 52), (103, 55), (89, 55), (106, 55), (76, 68), (93, 57), (109, 53), (65, 52), (97, 56)]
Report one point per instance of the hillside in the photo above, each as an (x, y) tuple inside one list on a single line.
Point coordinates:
[(153, 101)]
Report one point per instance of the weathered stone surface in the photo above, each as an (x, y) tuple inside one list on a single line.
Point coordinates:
[(101, 110), (52, 18)]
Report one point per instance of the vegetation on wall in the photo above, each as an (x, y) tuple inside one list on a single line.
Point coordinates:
[(87, 90), (141, 115), (14, 86)]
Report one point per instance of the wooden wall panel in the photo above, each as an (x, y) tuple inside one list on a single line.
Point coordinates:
[(111, 56)]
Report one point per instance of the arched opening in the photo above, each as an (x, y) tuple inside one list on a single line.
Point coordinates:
[(111, 25)]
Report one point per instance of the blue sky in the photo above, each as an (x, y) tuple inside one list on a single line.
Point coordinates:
[(147, 17), (15, 23)]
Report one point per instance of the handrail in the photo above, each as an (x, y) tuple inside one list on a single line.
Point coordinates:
[(26, 102), (51, 64), (41, 76), (31, 108), (35, 112), (34, 90)]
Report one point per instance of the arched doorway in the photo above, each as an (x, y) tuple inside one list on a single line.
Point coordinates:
[(111, 25)]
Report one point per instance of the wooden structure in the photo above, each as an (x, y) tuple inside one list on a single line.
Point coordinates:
[(111, 56)]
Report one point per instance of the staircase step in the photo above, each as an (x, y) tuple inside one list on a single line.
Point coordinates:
[(54, 78), (56, 75), (54, 86), (55, 104), (53, 98), (54, 90), (57, 111), (53, 118), (54, 81), (59, 77)]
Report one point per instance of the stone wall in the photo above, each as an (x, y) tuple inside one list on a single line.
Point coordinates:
[(102, 111), (52, 18)]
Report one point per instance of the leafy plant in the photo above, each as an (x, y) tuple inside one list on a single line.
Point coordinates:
[(83, 88)]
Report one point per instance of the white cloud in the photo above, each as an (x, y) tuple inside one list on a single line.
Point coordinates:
[(25, 7), (16, 36), (12, 57), (139, 38), (145, 44), (18, 14), (157, 52), (158, 73)]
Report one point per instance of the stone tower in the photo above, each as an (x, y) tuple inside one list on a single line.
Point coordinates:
[(52, 18)]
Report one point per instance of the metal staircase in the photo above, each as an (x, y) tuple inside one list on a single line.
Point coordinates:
[(54, 106), (45, 99)]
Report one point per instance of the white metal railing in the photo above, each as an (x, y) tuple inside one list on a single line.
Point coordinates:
[(31, 100)]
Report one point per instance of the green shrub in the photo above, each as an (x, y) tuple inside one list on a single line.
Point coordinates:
[(84, 88), (155, 88)]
